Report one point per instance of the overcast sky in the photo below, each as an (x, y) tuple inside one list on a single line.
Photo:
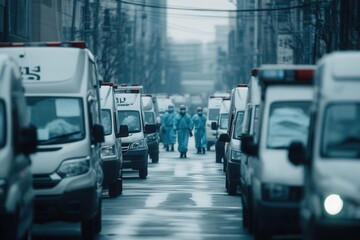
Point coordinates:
[(184, 26)]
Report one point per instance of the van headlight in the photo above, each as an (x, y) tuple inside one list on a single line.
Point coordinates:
[(75, 167), (108, 150), (152, 137), (236, 155), (138, 144), (333, 204), (275, 192)]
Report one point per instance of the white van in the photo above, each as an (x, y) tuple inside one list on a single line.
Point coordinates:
[(214, 104), (129, 110), (17, 141), (221, 126), (233, 155), (330, 208), (276, 185), (152, 139), (62, 92), (111, 153)]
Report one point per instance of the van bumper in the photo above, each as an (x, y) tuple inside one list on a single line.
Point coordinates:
[(338, 228), (279, 217), (135, 159), (74, 206), (111, 169)]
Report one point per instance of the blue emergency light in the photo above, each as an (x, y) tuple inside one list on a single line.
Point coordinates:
[(286, 76)]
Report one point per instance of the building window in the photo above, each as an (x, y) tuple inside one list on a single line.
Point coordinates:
[(19, 18)]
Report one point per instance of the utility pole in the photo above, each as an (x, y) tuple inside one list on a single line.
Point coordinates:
[(73, 20)]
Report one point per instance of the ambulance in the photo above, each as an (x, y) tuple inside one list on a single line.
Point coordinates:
[(111, 153), (129, 111), (152, 139), (331, 157), (284, 116), (214, 104), (62, 92), (17, 142)]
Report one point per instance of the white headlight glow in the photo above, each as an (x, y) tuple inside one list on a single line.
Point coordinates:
[(333, 204)]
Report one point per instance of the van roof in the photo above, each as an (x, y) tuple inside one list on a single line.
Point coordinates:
[(106, 96), (238, 97), (147, 103), (338, 75), (52, 70)]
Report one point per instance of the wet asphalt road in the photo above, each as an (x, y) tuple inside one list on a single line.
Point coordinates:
[(180, 199)]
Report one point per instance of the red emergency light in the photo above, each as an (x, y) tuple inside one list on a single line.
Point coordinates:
[(73, 44), (4, 44), (287, 76)]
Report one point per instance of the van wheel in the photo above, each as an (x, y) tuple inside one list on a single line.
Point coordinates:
[(224, 165), (114, 189), (91, 227), (208, 147), (120, 185), (232, 188), (218, 158), (143, 173), (155, 158)]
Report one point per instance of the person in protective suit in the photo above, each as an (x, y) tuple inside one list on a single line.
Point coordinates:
[(168, 128), (199, 120), (183, 126)]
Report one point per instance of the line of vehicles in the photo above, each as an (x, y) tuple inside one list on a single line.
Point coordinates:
[(81, 134), (292, 149)]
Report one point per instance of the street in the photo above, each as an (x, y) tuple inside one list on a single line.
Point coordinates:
[(180, 199)]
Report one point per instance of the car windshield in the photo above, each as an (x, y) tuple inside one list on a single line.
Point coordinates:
[(58, 120), (288, 121), (131, 119), (224, 121), (106, 121), (238, 125), (2, 124), (149, 118), (341, 133), (213, 114)]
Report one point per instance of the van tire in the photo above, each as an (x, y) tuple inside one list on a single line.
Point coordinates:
[(143, 172), (114, 189), (120, 186), (91, 227), (155, 158), (218, 158), (208, 147)]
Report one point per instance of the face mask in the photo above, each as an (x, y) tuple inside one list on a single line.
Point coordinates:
[(200, 113), (182, 112), (171, 109)]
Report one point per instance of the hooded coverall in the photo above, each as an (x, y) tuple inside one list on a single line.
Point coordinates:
[(199, 121), (183, 125)]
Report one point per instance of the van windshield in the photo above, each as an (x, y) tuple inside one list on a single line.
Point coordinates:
[(131, 119), (238, 125), (58, 120), (341, 133), (2, 124), (149, 118), (224, 121), (106, 121), (213, 114), (288, 121)]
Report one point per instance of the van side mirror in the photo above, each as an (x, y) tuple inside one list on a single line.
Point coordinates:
[(224, 137), (214, 126), (248, 146), (28, 140), (150, 128), (98, 133), (123, 131), (297, 153)]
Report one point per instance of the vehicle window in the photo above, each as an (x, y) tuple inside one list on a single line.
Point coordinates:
[(58, 120), (224, 121), (131, 119), (2, 124), (341, 133), (288, 121), (238, 125), (106, 121), (213, 114), (149, 118)]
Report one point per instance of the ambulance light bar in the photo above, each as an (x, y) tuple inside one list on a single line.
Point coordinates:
[(286, 76), (74, 44), (107, 84)]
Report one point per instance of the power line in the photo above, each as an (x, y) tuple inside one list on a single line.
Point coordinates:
[(219, 10)]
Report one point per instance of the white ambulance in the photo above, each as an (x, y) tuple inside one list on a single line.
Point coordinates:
[(111, 154), (212, 115), (17, 141), (62, 92), (152, 139), (331, 205), (276, 185), (221, 126), (129, 110)]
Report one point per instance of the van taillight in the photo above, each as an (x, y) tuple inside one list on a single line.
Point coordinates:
[(304, 74)]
